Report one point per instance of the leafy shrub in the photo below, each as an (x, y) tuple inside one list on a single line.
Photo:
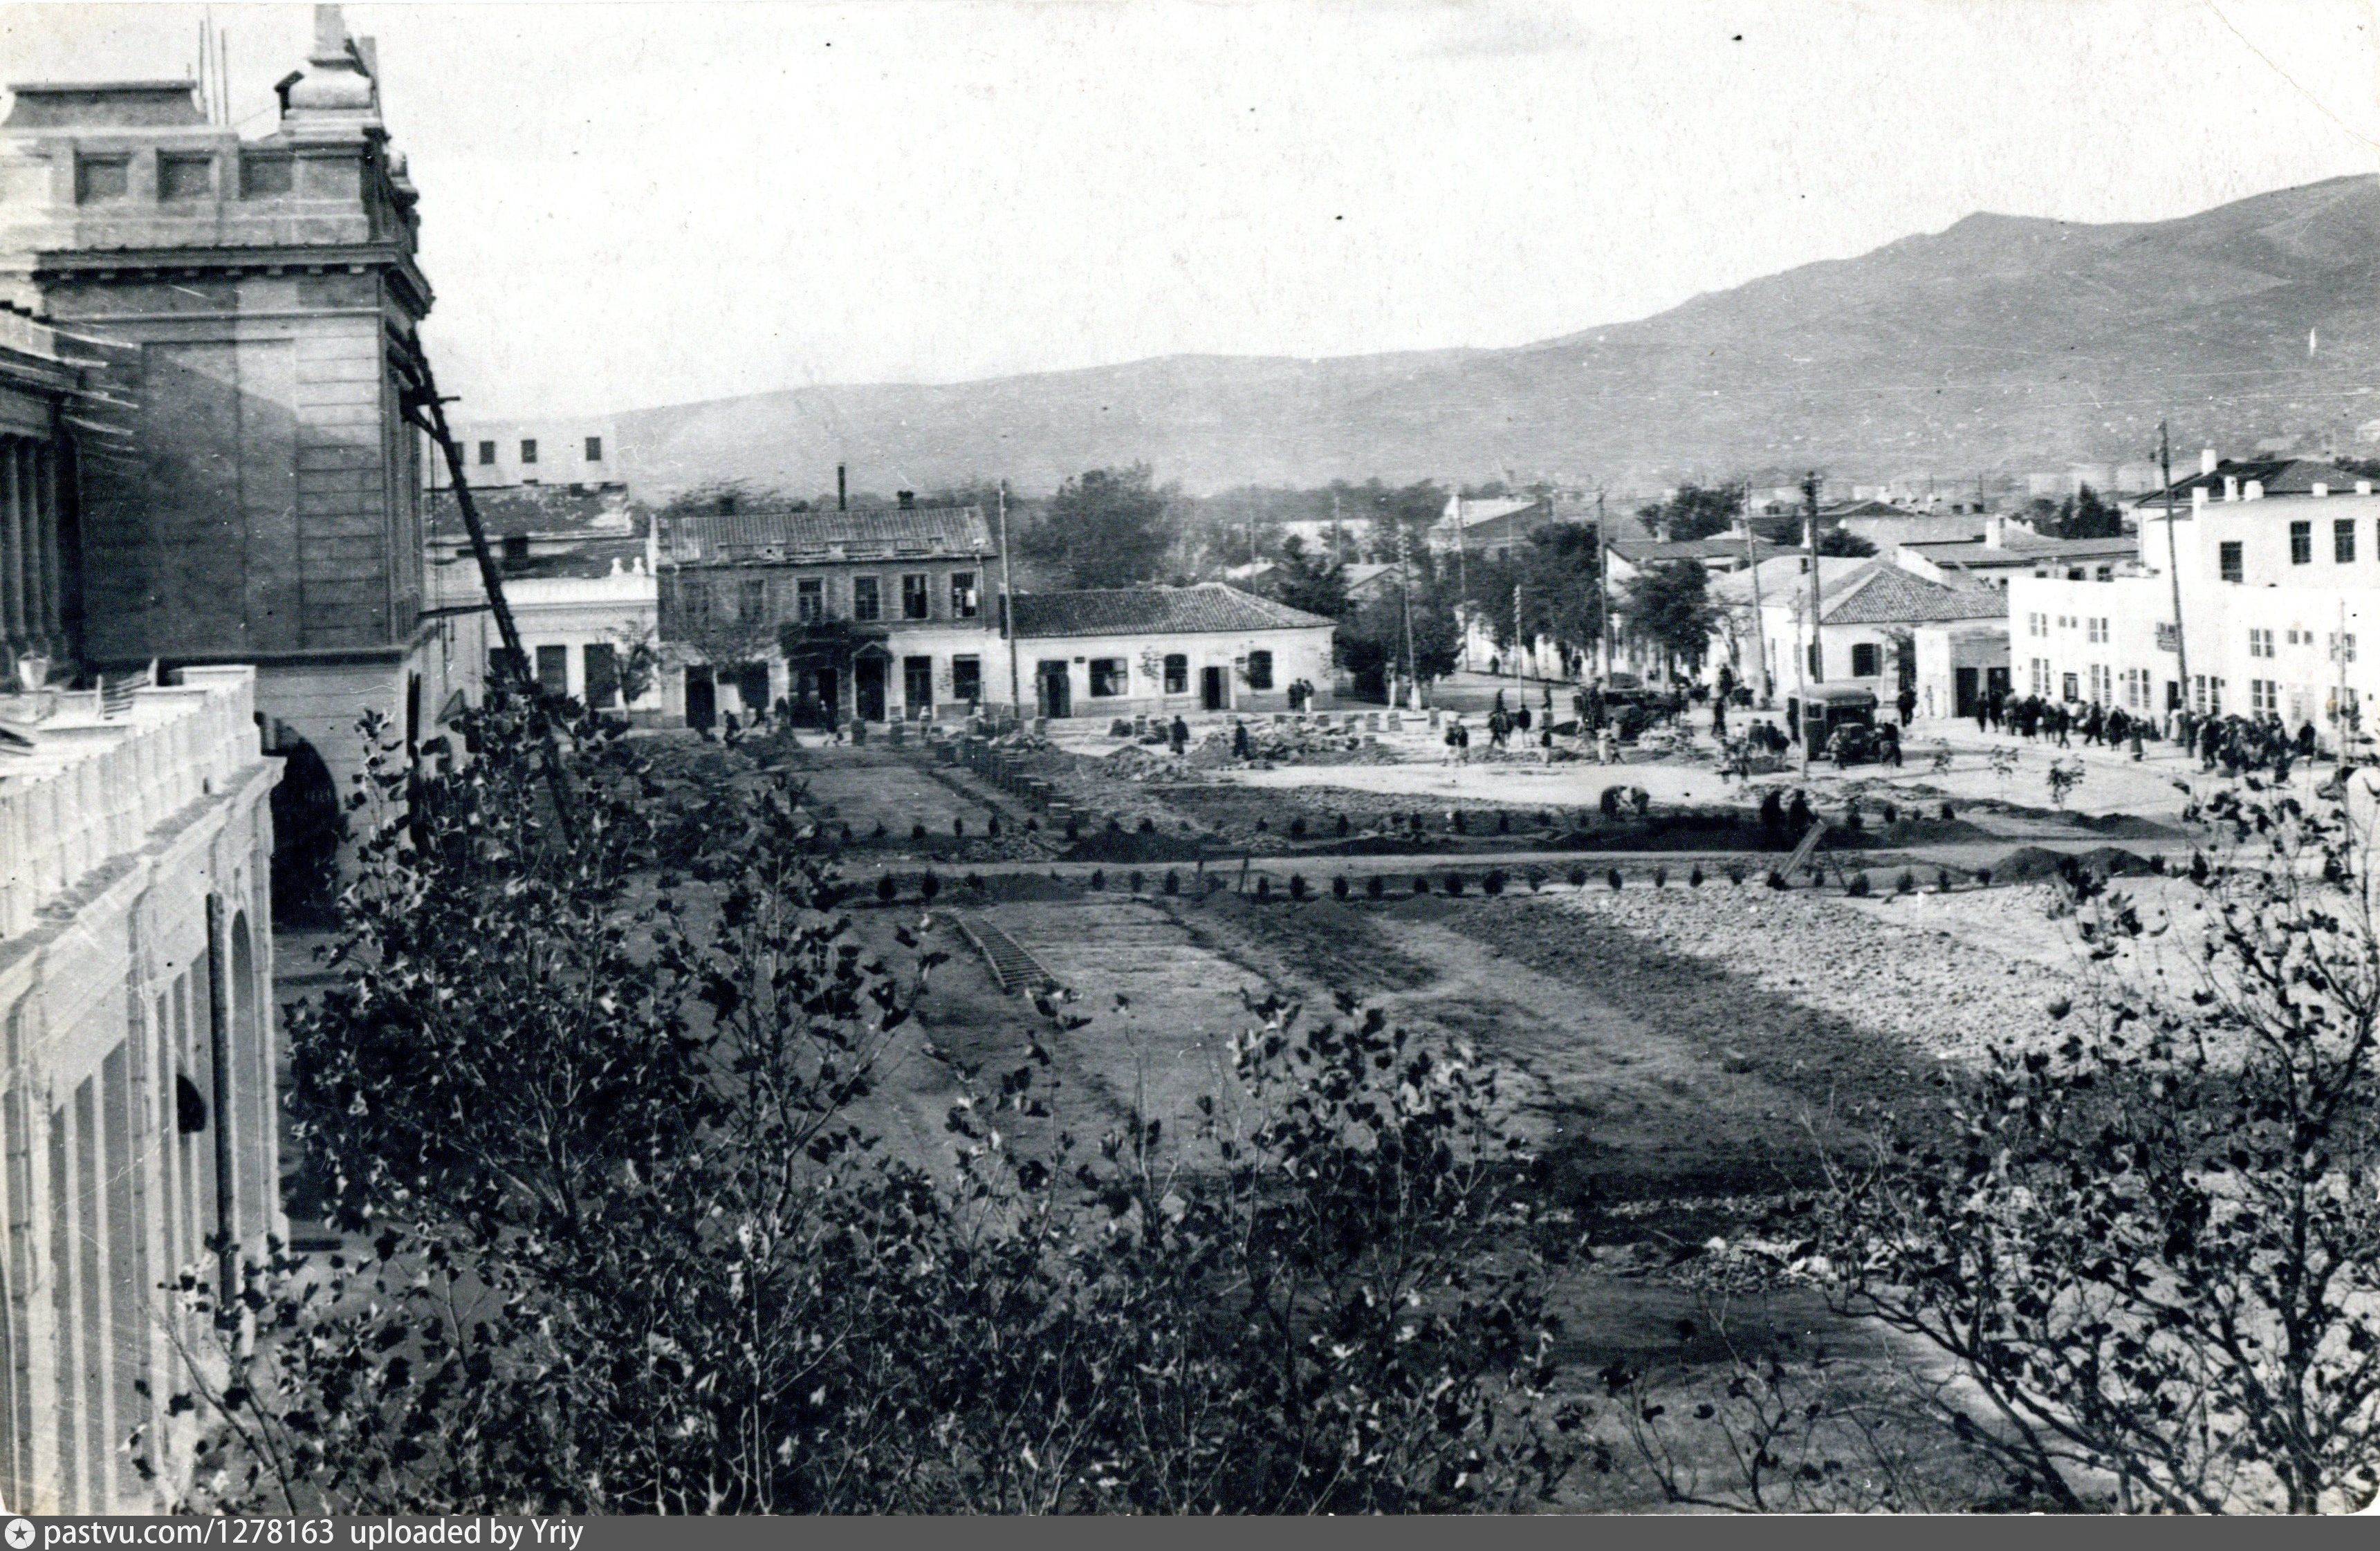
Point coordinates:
[(1660, 875), (1503, 822), (1099, 879), (1982, 877), (1906, 883), (1147, 826), (1375, 886), (975, 881), (1297, 828), (1341, 826), (1172, 882), (1420, 883), (928, 886), (1339, 887), (886, 889), (1735, 874), (1613, 878), (1949, 812), (1454, 885), (1264, 887), (1942, 880), (958, 826), (1297, 889), (1891, 813), (1137, 881), (918, 830), (1493, 884), (1694, 879), (1777, 881), (1454, 821), (1857, 889), (1578, 877), (1073, 829)]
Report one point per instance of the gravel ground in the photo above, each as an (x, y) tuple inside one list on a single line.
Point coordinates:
[(1940, 990)]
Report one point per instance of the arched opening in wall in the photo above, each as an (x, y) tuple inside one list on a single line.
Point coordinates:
[(306, 828), (253, 1171), (16, 1277)]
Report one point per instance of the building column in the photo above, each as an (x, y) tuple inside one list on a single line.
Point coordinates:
[(15, 529), (49, 554)]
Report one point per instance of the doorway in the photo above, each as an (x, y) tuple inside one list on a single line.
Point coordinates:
[(701, 699), (1968, 693), (918, 686), (829, 701), (1996, 682), (868, 682), (752, 686), (1057, 686), (1214, 690)]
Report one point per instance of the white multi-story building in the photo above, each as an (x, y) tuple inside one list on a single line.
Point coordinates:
[(2279, 596), (138, 1105), (500, 452)]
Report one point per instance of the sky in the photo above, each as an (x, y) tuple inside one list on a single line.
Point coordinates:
[(634, 204)]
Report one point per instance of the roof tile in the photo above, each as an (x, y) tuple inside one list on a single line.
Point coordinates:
[(1155, 611)]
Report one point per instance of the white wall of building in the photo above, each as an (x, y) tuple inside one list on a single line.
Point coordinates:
[(1296, 654)]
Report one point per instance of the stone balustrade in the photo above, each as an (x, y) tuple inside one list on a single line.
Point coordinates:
[(94, 788)]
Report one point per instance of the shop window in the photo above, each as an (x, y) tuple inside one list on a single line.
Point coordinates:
[(1110, 676), (966, 678), (964, 602), (1866, 662)]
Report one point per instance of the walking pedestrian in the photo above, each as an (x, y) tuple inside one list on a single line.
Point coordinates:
[(1178, 736), (1908, 705)]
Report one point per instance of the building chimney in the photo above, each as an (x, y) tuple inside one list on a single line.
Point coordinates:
[(2207, 460), (2320, 489), (1996, 532), (2197, 499), (2363, 487), (908, 500), (2255, 491), (841, 495), (2230, 487)]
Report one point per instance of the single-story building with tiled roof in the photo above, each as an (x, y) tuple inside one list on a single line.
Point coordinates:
[(1883, 626), (1168, 651)]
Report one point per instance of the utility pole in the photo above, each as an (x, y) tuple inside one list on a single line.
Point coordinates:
[(1404, 602), (1008, 608), (1815, 668), (1461, 584), (422, 405), (1759, 619), (1518, 642), (1603, 585), (2173, 564)]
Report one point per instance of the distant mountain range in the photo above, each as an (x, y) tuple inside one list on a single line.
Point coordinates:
[(2003, 344)]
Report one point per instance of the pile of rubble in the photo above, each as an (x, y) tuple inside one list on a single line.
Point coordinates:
[(1917, 983)]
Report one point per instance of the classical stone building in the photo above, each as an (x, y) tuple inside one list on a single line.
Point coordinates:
[(137, 1070), (254, 302)]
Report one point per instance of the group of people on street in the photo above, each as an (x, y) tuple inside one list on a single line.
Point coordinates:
[(2032, 717), (2231, 742)]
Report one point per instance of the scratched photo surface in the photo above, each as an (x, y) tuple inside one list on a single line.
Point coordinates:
[(992, 758)]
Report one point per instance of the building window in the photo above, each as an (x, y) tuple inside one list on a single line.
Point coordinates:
[(1259, 670), (916, 602), (2099, 630), (2037, 625), (810, 601), (2341, 649), (966, 678), (694, 601), (752, 600), (1177, 673), (865, 603), (2300, 543), (554, 669), (602, 675), (964, 602), (528, 449), (2198, 692), (2040, 676), (2071, 688), (2260, 643), (594, 449), (2228, 557), (2103, 684), (487, 454), (2264, 695), (917, 683), (515, 547), (1108, 677), (1866, 661), (2342, 540)]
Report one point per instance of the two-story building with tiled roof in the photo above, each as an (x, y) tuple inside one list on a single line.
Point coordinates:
[(1168, 651), (877, 615)]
